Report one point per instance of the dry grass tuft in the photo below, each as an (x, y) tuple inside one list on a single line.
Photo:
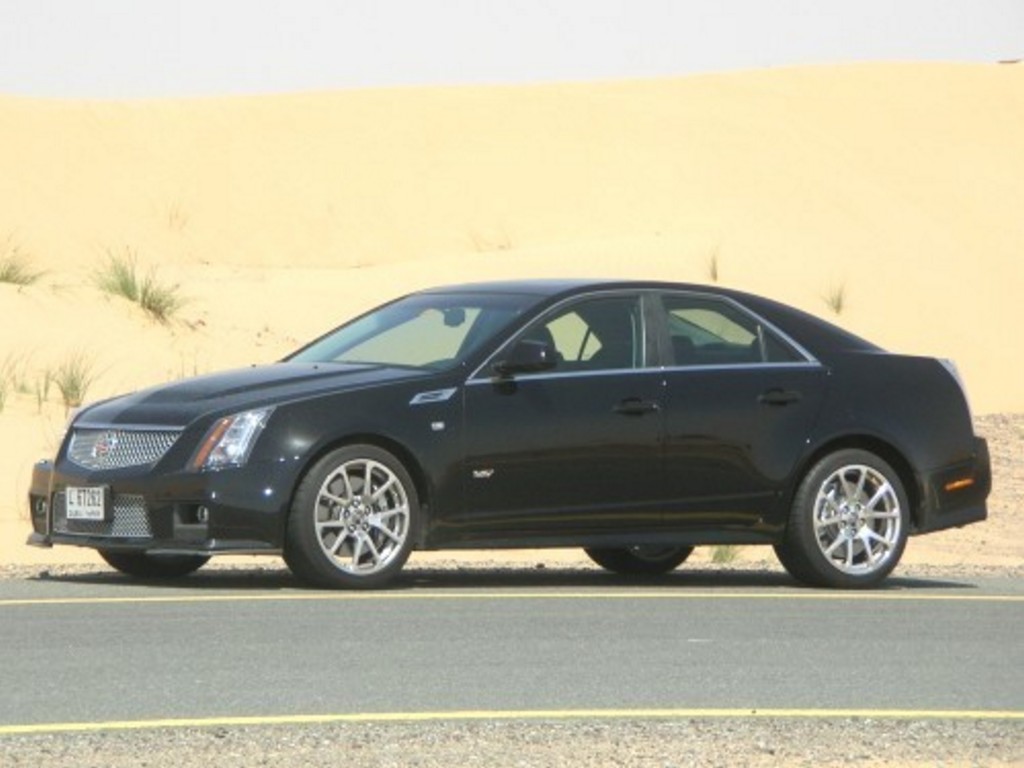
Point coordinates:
[(836, 298), (120, 277), (73, 377), (15, 264), (713, 265)]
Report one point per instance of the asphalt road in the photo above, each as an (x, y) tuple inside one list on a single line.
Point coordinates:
[(90, 649)]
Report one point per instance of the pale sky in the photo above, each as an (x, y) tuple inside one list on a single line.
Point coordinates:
[(154, 48)]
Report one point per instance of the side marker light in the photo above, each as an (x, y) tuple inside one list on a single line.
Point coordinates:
[(956, 485)]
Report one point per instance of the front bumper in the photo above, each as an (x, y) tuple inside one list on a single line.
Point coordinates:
[(237, 511), (954, 495)]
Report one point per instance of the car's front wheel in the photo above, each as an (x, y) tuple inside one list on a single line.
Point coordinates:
[(849, 522), (146, 566), (352, 519), (639, 560)]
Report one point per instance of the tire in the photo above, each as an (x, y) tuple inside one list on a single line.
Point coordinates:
[(849, 522), (146, 566), (640, 560), (341, 537)]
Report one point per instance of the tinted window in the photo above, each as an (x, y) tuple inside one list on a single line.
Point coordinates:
[(594, 334), (706, 331)]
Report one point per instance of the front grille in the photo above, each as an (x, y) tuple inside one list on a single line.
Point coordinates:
[(129, 521), (119, 448)]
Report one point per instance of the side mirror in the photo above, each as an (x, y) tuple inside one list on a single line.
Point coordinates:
[(527, 356)]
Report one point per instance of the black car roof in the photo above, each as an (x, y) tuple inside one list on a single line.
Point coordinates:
[(557, 286), (538, 287)]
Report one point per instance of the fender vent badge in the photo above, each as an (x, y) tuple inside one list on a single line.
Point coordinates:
[(434, 396)]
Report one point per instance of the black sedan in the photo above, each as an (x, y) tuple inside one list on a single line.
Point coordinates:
[(634, 419)]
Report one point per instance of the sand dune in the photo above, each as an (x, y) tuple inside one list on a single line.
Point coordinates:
[(280, 216)]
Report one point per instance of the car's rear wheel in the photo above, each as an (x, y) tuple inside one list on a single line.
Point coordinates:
[(639, 560), (849, 522), (352, 519), (146, 566)]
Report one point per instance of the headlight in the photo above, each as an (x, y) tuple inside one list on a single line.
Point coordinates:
[(230, 441)]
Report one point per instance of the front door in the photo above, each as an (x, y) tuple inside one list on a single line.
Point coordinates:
[(574, 450)]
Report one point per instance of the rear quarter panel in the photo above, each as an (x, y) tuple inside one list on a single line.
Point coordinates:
[(911, 405)]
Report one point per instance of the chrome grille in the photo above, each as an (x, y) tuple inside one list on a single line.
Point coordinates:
[(129, 521), (119, 448)]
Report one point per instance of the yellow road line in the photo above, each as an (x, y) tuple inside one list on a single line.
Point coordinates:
[(542, 714), (457, 596)]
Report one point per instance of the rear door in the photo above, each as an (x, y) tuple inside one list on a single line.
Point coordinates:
[(741, 400)]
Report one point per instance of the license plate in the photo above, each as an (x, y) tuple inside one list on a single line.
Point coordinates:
[(86, 503)]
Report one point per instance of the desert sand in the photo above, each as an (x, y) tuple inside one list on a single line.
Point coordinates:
[(280, 216)]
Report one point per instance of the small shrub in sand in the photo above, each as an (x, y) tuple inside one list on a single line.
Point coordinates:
[(15, 265), (42, 390), (713, 266), (120, 277), (836, 298), (160, 301), (73, 378)]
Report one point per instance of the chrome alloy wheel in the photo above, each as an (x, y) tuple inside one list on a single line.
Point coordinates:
[(362, 516), (857, 519)]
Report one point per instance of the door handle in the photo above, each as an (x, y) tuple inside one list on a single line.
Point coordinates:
[(634, 406), (779, 397)]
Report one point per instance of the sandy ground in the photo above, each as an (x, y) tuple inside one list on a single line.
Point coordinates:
[(278, 217)]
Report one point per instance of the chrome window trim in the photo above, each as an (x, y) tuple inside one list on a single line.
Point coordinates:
[(603, 372), (743, 366), (661, 370)]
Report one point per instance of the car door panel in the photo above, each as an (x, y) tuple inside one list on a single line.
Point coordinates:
[(733, 438), (575, 450), (564, 454)]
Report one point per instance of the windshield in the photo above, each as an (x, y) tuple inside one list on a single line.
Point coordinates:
[(425, 330)]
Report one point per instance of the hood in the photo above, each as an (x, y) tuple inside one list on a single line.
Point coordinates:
[(179, 403)]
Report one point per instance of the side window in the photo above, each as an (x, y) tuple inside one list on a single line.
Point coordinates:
[(706, 331), (594, 334)]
